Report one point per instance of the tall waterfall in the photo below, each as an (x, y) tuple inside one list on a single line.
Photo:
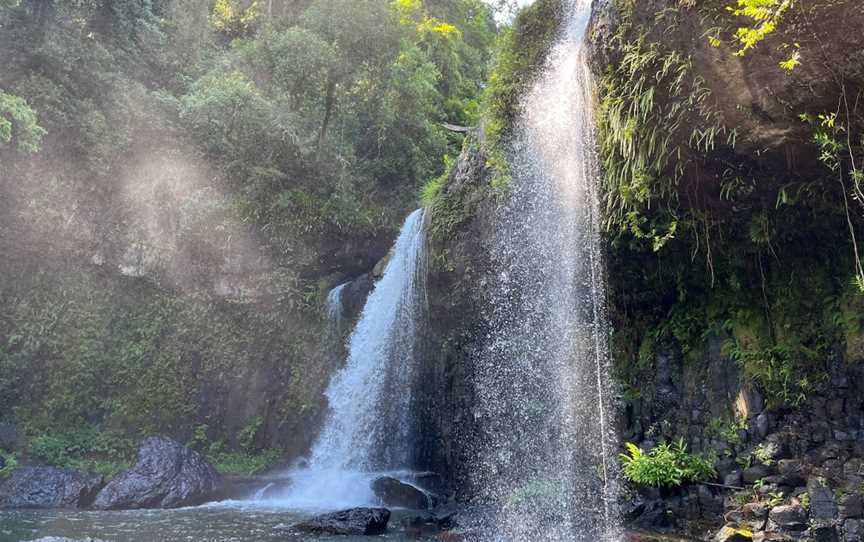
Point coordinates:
[(368, 426), (545, 456)]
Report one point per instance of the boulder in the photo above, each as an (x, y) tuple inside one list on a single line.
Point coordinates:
[(755, 473), (853, 530), (49, 487), (167, 475), (393, 492), (355, 521), (791, 517), (851, 506), (822, 502)]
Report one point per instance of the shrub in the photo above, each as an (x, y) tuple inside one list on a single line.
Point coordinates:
[(666, 465), (9, 463)]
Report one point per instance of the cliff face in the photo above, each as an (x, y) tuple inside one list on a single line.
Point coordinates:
[(730, 226)]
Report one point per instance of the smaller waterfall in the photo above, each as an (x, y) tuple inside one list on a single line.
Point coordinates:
[(335, 309), (368, 428)]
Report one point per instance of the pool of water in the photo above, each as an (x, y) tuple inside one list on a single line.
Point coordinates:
[(222, 522)]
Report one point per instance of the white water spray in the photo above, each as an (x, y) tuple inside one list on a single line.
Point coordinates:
[(368, 427), (544, 453)]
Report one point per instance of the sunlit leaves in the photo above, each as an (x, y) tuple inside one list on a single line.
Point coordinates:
[(18, 124)]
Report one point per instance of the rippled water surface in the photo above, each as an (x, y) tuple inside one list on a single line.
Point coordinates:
[(211, 524)]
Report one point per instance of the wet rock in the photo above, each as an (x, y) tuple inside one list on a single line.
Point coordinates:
[(64, 539), (49, 487), (393, 492), (167, 475), (355, 293), (731, 533), (822, 502), (356, 521), (791, 517), (656, 515)]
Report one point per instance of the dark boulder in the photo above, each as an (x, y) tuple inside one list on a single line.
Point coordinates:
[(822, 502), (392, 492), (167, 475), (49, 487), (791, 517), (356, 521)]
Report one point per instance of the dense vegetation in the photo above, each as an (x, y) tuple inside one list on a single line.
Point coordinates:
[(180, 183), (714, 228)]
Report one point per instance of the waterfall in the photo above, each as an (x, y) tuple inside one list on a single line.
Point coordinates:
[(335, 310), (368, 427), (544, 452)]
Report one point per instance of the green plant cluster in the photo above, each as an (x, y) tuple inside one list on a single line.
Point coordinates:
[(9, 463), (665, 465), (655, 114), (102, 452)]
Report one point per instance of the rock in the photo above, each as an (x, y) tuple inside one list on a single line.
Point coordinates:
[(356, 521), (791, 517), (709, 503), (393, 492), (822, 503), (761, 425), (731, 533), (64, 539), (754, 473), (733, 479), (49, 487), (10, 437), (850, 506), (853, 530), (355, 293), (824, 532), (754, 515), (167, 475), (771, 537)]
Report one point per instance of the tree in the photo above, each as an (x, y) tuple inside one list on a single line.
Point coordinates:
[(18, 124)]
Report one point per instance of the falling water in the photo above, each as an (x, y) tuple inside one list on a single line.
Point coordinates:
[(335, 309), (545, 458), (368, 429)]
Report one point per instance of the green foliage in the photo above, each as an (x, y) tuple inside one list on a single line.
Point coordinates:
[(520, 56), (654, 114), (535, 490), (18, 124), (726, 429), (246, 436), (10, 463), (665, 465), (762, 16), (88, 449), (243, 463)]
